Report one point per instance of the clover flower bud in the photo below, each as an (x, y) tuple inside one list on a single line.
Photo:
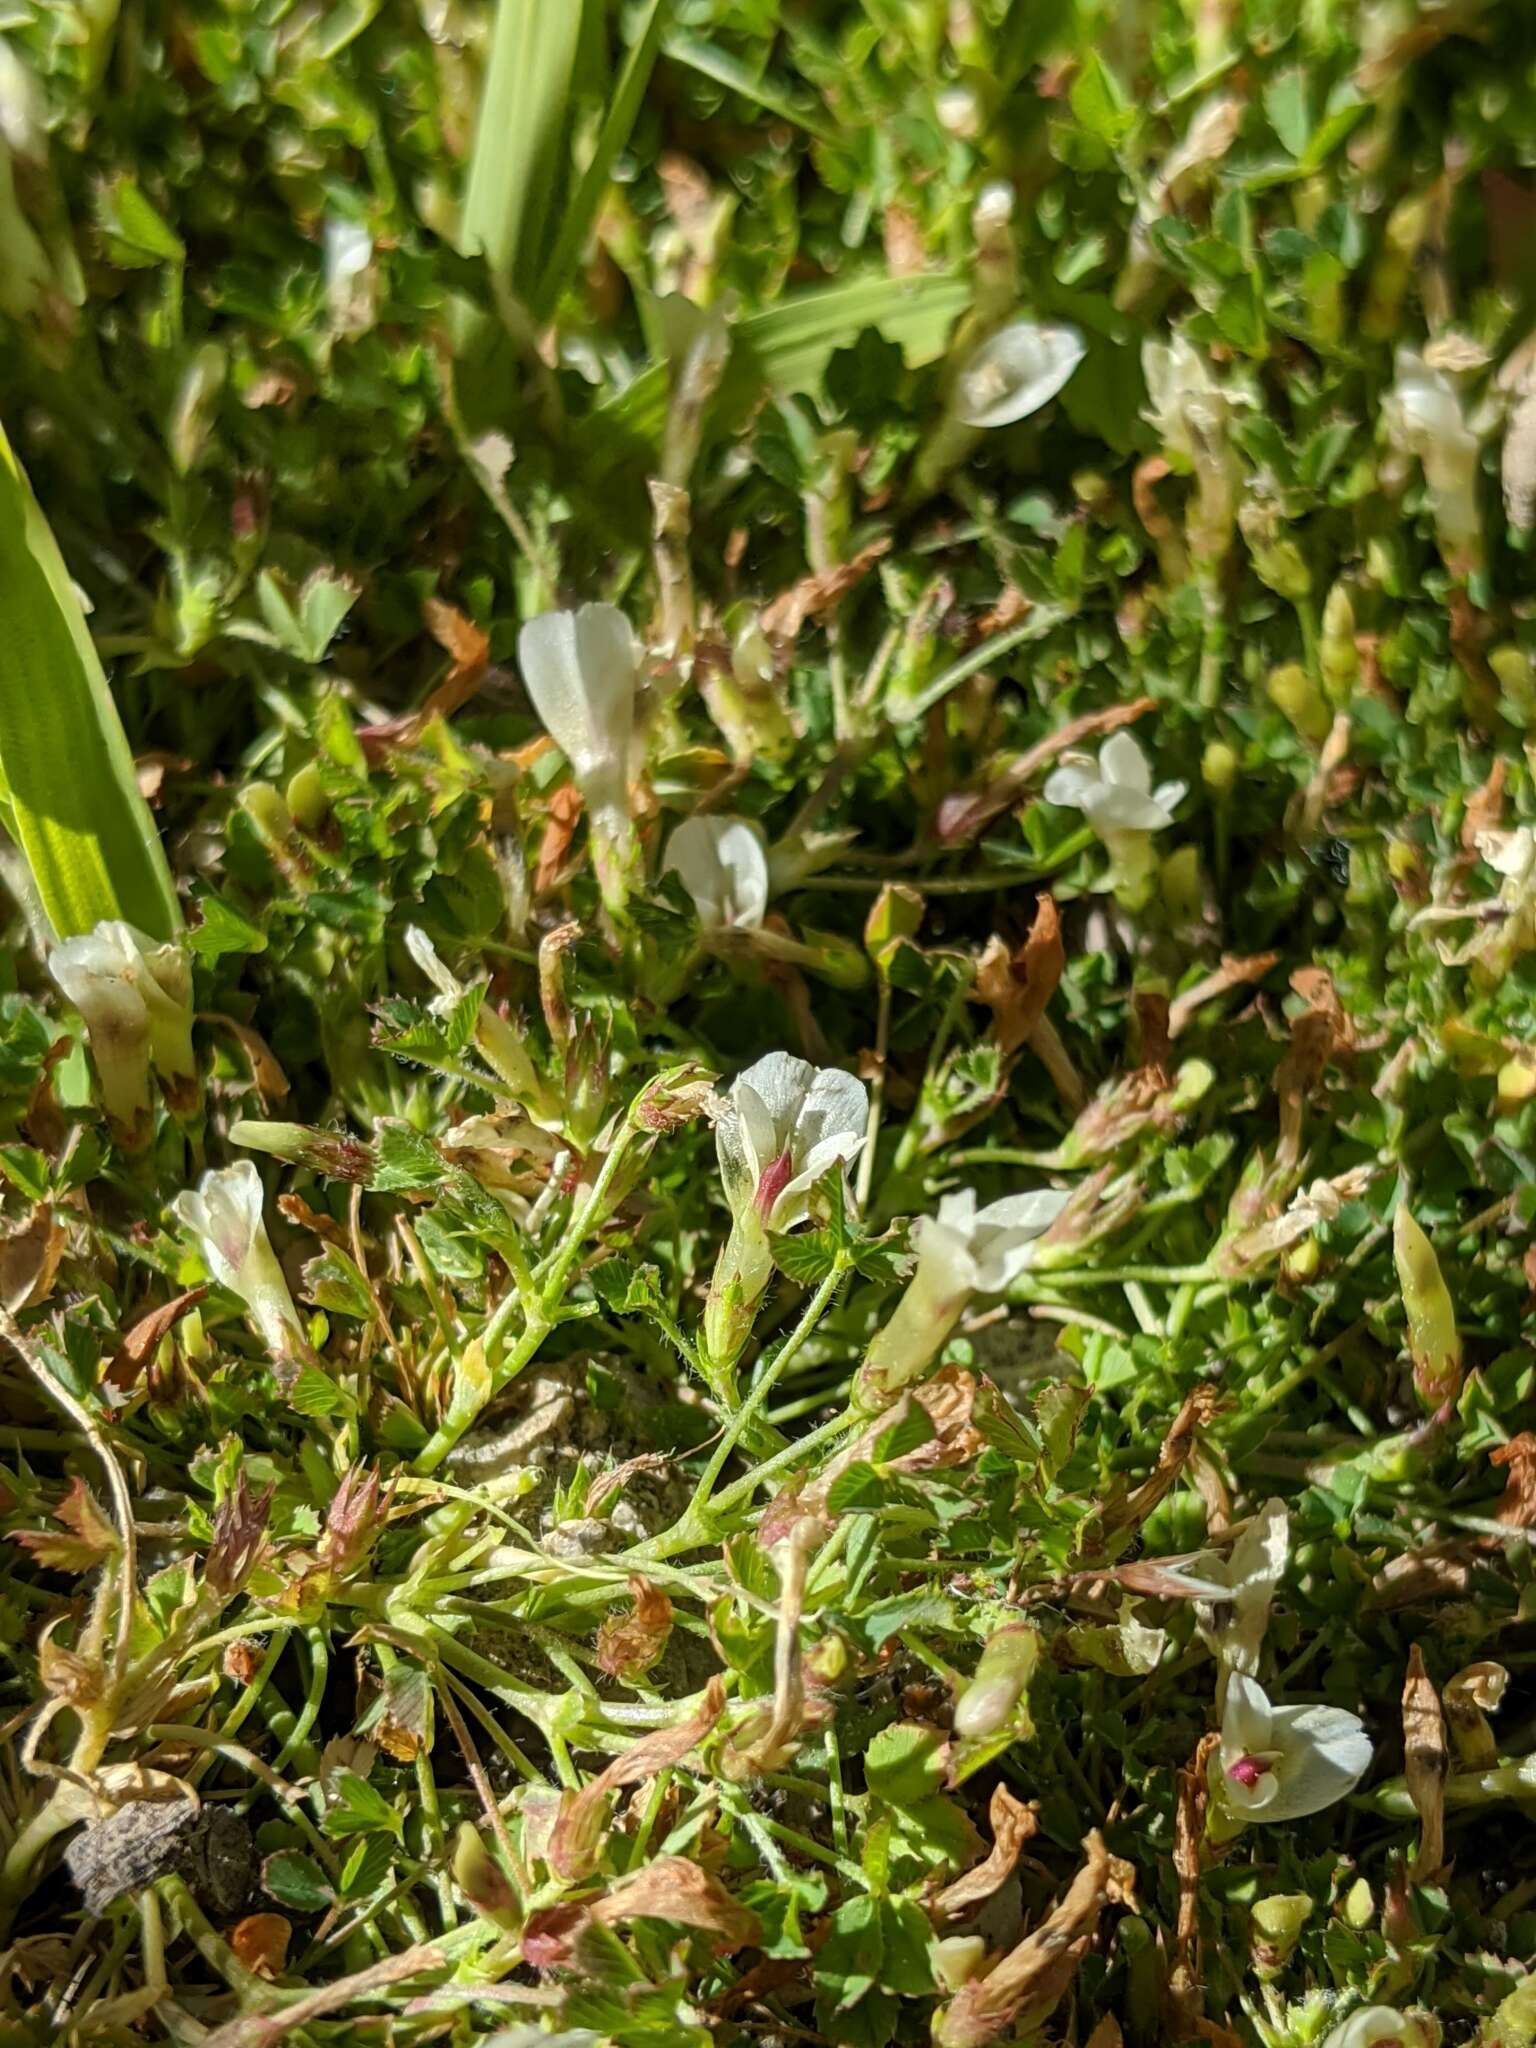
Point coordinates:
[(135, 996), (582, 671), (1423, 419), (225, 1217), (724, 867), (960, 1252), (1434, 1344), (993, 1699), (1016, 372)]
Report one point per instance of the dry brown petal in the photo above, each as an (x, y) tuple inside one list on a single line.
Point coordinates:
[(1518, 1457), (565, 806), (29, 1260), (814, 595), (673, 1888), (1232, 973), (1425, 1764), (1013, 1824), (1017, 987), (142, 1339), (573, 1844), (628, 1644), (1038, 1970), (267, 1076), (550, 1936), (241, 1661), (261, 1942)]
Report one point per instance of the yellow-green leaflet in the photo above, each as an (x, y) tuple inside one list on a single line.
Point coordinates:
[(66, 774)]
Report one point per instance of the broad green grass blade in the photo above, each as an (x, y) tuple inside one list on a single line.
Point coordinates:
[(66, 775), (521, 138), (612, 137), (787, 348), (719, 65)]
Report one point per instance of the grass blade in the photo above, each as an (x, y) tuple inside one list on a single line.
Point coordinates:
[(72, 801), (521, 138), (788, 346), (613, 136)]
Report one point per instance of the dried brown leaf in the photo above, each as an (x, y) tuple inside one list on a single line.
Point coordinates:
[(1518, 1458), (1232, 973), (29, 1260), (1036, 1972), (554, 848), (1425, 1763), (261, 1940), (813, 596), (628, 1644), (573, 1845), (142, 1339), (1013, 1824), (1016, 987), (673, 1888)]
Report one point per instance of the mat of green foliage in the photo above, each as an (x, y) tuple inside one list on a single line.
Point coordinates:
[(543, 1498)]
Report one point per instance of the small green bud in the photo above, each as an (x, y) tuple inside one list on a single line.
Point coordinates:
[(1433, 1341), (1359, 1908), (307, 798), (1219, 768), (994, 1699), (1291, 690), (1276, 1928), (1517, 679), (1337, 654)]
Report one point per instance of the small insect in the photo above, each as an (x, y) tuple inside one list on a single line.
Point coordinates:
[(148, 1838)]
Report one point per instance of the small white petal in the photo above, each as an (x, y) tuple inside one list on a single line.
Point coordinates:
[(580, 669), (1121, 760), (723, 867), (1245, 1723), (1168, 796), (1017, 371), (1112, 807), (1325, 1752), (780, 1082), (1377, 2023), (424, 953), (1071, 786)]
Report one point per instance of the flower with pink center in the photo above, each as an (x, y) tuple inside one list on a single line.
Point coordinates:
[(782, 1125), (1282, 1763)]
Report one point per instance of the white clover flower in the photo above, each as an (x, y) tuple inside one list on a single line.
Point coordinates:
[(782, 1125), (582, 671), (1187, 406), (1423, 419), (1510, 854), (1115, 794), (1282, 1763), (225, 1217), (1016, 371), (1233, 1624), (135, 995), (1378, 2026), (724, 868), (961, 1251)]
